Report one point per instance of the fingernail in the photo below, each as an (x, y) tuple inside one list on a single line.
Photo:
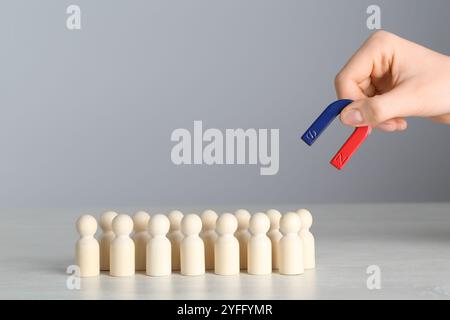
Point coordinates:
[(352, 117), (403, 126)]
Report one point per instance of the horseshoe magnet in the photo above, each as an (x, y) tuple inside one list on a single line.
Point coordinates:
[(323, 121)]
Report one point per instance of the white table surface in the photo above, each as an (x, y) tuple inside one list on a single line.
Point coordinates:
[(409, 242)]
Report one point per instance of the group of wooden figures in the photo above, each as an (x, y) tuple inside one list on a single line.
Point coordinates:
[(191, 244)]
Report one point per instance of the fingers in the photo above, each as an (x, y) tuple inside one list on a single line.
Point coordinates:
[(397, 103), (373, 58), (347, 82), (444, 119), (397, 124)]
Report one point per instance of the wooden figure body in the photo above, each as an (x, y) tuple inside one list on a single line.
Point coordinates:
[(243, 235), (159, 253), (106, 238), (87, 251), (140, 238), (274, 235), (226, 248), (259, 246), (291, 246), (209, 236), (175, 237), (309, 254), (192, 250), (122, 251)]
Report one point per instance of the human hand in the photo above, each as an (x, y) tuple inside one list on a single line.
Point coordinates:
[(390, 78)]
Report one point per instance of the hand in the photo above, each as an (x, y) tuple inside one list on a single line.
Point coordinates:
[(391, 78)]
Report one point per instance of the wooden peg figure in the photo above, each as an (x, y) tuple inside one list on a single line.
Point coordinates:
[(106, 238), (243, 235), (259, 246), (122, 252), (274, 235), (290, 245), (87, 251), (209, 236), (192, 250), (140, 238), (175, 236), (159, 254), (309, 254), (226, 250)]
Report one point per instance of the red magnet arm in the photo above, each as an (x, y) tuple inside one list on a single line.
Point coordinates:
[(350, 146)]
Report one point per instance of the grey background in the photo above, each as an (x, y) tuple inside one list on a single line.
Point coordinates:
[(87, 115)]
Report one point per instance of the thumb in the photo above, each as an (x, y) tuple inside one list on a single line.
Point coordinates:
[(396, 103)]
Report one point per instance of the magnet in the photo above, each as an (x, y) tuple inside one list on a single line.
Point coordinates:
[(350, 146), (324, 120)]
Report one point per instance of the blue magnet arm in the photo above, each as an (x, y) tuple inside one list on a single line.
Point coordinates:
[(324, 120)]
